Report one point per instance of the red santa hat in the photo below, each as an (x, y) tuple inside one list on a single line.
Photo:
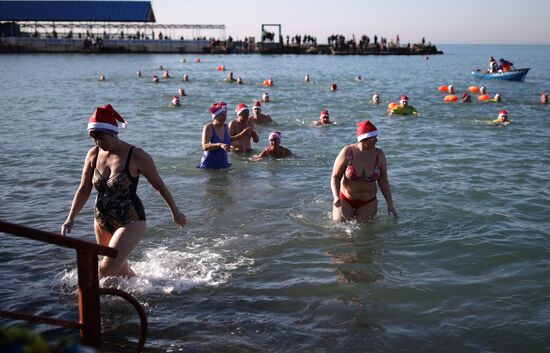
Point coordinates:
[(257, 105), (240, 108), (366, 129), (175, 100), (404, 99), (324, 112), (503, 112), (106, 119), (217, 108), (543, 94)]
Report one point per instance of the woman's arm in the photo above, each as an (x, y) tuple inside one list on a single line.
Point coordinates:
[(337, 172), (146, 166), (384, 184), (82, 193)]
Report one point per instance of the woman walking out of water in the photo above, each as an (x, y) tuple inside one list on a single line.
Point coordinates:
[(356, 171), (216, 147), (113, 167)]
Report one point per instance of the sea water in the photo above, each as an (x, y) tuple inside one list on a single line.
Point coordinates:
[(260, 267)]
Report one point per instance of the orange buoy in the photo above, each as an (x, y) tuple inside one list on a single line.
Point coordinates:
[(392, 105), (443, 88), (220, 68), (473, 89), (483, 97), (268, 82), (450, 98)]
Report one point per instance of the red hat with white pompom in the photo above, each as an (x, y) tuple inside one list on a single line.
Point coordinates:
[(366, 129), (241, 107), (257, 105), (106, 119), (404, 99), (324, 113), (217, 108), (503, 112)]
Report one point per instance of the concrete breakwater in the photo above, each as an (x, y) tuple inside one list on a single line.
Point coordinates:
[(200, 46)]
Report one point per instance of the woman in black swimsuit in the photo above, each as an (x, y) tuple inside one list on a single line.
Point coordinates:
[(113, 167)]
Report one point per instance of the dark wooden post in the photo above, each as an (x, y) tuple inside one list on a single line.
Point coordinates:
[(88, 298)]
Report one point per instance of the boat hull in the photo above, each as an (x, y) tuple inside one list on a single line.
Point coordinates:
[(512, 75)]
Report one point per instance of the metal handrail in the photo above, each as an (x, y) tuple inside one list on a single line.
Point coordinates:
[(89, 323)]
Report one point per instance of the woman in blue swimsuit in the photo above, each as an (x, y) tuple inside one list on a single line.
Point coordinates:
[(113, 167), (216, 141)]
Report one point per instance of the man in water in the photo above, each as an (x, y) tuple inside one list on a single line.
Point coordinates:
[(404, 108), (259, 117), (242, 130)]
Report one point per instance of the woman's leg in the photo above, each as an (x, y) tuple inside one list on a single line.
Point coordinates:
[(367, 212), (343, 213), (124, 239)]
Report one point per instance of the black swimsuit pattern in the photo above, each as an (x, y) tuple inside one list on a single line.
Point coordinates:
[(117, 203)]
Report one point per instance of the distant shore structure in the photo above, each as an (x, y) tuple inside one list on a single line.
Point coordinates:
[(130, 27)]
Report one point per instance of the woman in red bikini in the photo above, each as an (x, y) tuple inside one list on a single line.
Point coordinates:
[(356, 171)]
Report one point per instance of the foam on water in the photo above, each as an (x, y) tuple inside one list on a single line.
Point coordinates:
[(164, 271)]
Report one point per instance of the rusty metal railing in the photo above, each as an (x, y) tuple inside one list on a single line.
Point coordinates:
[(89, 323)]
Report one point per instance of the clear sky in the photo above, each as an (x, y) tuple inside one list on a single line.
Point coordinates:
[(439, 21)]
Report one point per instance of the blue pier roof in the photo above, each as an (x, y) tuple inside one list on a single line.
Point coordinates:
[(75, 11)]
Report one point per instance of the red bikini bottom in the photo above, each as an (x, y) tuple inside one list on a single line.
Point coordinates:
[(356, 204)]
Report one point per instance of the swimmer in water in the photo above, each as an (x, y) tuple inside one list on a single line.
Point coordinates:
[(175, 101), (274, 150), (165, 74), (543, 98), (113, 167), (502, 119), (239, 80), (497, 98), (333, 87), (101, 77), (265, 97), (242, 130), (466, 98), (181, 92), (375, 99), (324, 119), (257, 116), (155, 79), (451, 89), (482, 90), (138, 74), (229, 77), (306, 78), (403, 108), (357, 170), (185, 77), (358, 78)]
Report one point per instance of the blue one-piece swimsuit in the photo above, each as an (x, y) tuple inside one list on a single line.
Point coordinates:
[(216, 158)]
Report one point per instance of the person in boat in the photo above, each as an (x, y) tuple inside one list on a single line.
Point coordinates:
[(375, 99), (230, 77), (543, 98), (216, 141), (493, 66), (242, 130), (505, 65), (257, 116), (357, 170), (274, 150), (502, 119), (403, 108), (113, 167), (324, 119)]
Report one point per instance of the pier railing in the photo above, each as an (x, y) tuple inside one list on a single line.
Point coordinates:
[(87, 254)]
